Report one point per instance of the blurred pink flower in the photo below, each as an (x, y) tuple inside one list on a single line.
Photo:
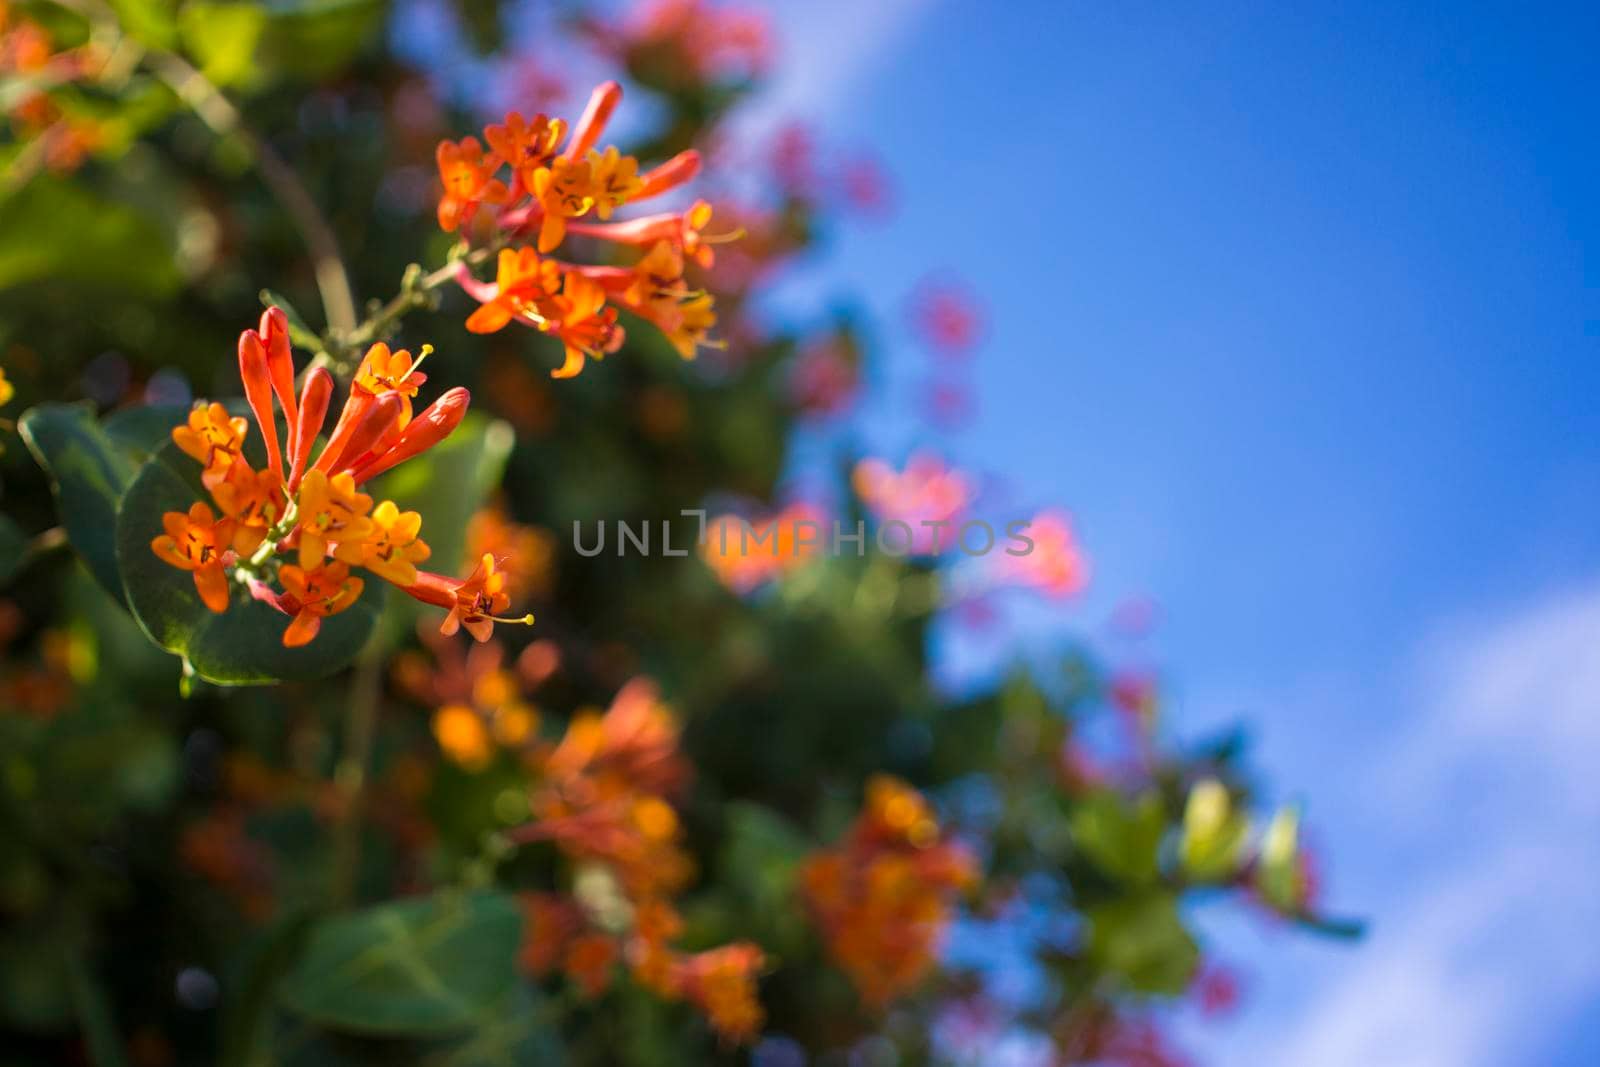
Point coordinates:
[(948, 316), (926, 491), (865, 188), (1056, 566)]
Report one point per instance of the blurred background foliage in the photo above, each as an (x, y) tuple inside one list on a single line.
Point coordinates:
[(237, 875)]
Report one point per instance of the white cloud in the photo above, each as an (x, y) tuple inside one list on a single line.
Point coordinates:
[(1486, 951)]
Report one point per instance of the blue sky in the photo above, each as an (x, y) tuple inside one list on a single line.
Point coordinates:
[(1299, 313)]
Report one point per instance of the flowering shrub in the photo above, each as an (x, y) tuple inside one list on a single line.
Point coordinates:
[(275, 786)]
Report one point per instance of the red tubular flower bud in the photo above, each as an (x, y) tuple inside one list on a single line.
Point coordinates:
[(602, 102), (435, 423), (356, 436), (436, 589), (258, 394), (314, 399), (669, 175), (377, 425), (280, 366), (355, 405)]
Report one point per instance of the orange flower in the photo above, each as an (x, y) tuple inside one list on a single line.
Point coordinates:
[(391, 548), (885, 895), (7, 390), (685, 231), (614, 180), (568, 301), (330, 511), (689, 324), (524, 284), (551, 921), (473, 602), (252, 498), (469, 181), (745, 555), (478, 600), (565, 189), (721, 982), (633, 745), (587, 328), (312, 595), (589, 960), (462, 736), (212, 437), (527, 146), (383, 371), (198, 542)]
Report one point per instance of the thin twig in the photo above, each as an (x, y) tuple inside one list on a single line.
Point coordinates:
[(218, 112)]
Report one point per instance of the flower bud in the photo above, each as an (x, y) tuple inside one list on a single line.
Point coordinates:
[(314, 398), (258, 394), (435, 423), (602, 102), (274, 333)]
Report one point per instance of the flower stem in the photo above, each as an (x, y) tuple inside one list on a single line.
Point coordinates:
[(351, 775)]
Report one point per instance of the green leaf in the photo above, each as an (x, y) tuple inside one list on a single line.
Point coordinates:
[(449, 482), (141, 431), (53, 229), (425, 966), (247, 1010), (148, 21), (314, 38), (243, 645), (1122, 838), (518, 1031), (1143, 941), (223, 37), (88, 473), (13, 549)]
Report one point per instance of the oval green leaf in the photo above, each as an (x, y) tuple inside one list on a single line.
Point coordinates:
[(88, 474), (243, 645), (415, 967)]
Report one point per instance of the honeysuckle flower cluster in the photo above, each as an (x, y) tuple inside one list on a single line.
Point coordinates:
[(601, 796), (884, 896), (311, 511), (559, 184)]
